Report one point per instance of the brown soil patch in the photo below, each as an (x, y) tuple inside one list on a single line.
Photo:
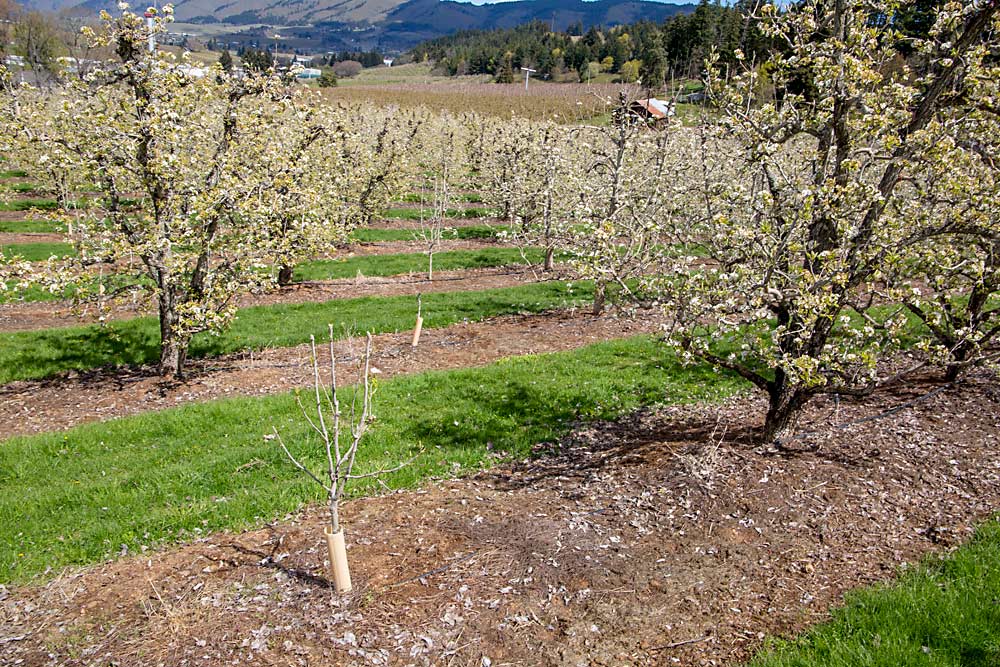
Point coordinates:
[(35, 315), (8, 238), (10, 216), (402, 247), (662, 539), (391, 223), (71, 399)]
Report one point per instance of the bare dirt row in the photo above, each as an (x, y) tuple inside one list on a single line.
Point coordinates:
[(8, 238), (70, 399), (664, 539), (393, 223)]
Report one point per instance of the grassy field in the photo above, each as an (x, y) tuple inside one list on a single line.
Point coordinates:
[(415, 197), (416, 213), (31, 226), (351, 267), (38, 252), (422, 73), (369, 235), (77, 497), (22, 187), (36, 354), (28, 204), (945, 613), (391, 265)]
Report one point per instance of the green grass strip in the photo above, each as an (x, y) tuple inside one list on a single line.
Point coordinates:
[(31, 226), (944, 613), (13, 173), (369, 235), (417, 197), (23, 187), (416, 213), (52, 204), (77, 497), (380, 265), (27, 204), (38, 252), (36, 354), (392, 265)]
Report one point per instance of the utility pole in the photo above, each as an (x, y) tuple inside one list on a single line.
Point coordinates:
[(276, 38), (527, 75), (150, 26)]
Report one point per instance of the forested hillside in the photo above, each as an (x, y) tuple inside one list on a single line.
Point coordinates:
[(646, 50)]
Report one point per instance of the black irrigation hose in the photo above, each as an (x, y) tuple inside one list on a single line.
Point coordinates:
[(891, 411), (434, 571)]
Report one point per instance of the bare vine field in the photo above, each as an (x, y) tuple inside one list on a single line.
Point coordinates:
[(563, 103)]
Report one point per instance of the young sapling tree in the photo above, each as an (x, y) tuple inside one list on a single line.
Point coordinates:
[(433, 227), (340, 431)]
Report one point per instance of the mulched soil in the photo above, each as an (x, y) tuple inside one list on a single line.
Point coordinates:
[(7, 238), (664, 538), (35, 315), (73, 398), (395, 223), (400, 247)]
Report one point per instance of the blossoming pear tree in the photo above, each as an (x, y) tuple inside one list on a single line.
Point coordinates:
[(206, 181), (805, 215), (632, 178), (950, 280)]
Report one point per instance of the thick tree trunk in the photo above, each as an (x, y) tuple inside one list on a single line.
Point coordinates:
[(959, 361), (784, 403), (600, 294), (173, 354), (285, 276), (173, 346)]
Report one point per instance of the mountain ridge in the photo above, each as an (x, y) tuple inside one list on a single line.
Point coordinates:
[(392, 25)]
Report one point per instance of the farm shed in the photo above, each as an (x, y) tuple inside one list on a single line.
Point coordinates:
[(652, 109)]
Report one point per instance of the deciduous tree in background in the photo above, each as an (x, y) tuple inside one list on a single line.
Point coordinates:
[(442, 165), (36, 40), (951, 277), (533, 170), (8, 11), (625, 201)]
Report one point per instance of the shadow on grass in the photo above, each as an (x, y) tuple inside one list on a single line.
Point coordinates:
[(523, 408), (51, 351)]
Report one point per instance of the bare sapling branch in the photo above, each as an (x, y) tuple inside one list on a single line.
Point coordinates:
[(341, 436)]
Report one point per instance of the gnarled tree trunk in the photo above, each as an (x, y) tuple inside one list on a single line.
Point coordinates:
[(785, 399), (173, 345), (285, 276)]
